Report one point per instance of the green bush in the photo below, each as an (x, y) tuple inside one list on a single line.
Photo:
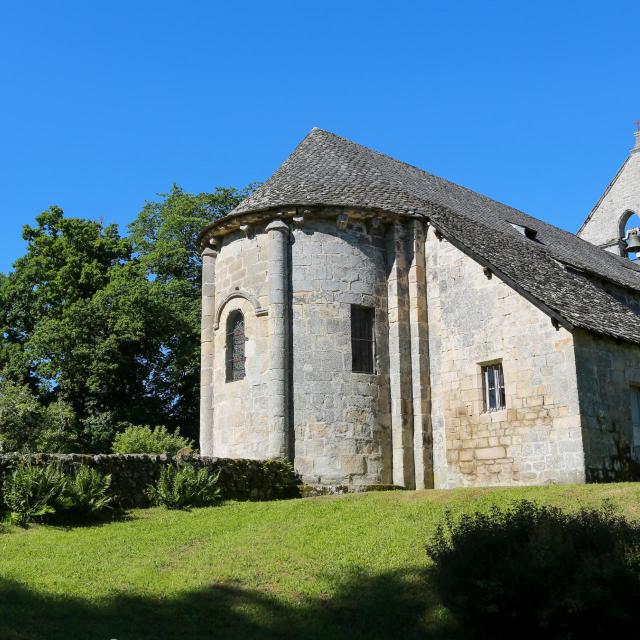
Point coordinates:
[(26, 423), (536, 568), (31, 492), (140, 439), (185, 486), (87, 492)]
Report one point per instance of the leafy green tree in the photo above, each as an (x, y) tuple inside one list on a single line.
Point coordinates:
[(78, 318), (100, 330), (164, 240)]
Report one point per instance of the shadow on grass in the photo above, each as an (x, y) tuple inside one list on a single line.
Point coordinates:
[(381, 607), (70, 520)]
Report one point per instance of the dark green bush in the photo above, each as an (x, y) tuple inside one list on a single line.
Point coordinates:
[(87, 492), (538, 570), (185, 486), (31, 492)]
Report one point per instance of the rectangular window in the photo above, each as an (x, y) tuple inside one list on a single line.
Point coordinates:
[(362, 339), (493, 387), (635, 415)]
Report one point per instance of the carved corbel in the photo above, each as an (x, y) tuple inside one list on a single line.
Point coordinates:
[(342, 220), (373, 225)]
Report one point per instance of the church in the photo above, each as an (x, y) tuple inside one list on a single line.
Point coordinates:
[(378, 325)]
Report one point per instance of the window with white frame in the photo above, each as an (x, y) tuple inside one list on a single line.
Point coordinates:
[(493, 387), (635, 414)]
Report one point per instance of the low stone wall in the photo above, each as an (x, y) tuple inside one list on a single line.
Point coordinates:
[(131, 474)]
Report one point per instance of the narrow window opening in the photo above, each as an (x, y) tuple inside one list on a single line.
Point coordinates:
[(235, 358), (493, 387), (362, 339), (635, 415)]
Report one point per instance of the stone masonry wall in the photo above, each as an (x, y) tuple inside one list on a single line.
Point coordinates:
[(474, 320), (342, 419), (240, 416), (606, 372), (131, 474)]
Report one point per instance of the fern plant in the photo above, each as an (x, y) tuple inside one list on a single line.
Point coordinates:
[(185, 486), (87, 492), (31, 492)]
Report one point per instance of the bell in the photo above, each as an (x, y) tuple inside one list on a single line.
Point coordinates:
[(633, 243)]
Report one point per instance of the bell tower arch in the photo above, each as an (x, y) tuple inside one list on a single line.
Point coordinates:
[(614, 222)]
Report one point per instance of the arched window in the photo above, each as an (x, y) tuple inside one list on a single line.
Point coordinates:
[(235, 346), (629, 235)]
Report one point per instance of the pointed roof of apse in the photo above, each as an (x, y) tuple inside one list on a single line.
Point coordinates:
[(552, 267), (326, 169)]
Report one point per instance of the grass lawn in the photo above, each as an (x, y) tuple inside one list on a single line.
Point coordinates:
[(332, 567)]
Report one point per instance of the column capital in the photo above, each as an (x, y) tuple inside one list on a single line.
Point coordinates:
[(277, 225), (210, 252)]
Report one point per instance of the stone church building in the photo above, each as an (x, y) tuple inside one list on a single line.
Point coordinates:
[(376, 324)]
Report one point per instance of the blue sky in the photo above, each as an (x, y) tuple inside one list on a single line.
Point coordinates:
[(105, 104)]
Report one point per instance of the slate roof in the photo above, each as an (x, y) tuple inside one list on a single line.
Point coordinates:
[(564, 275)]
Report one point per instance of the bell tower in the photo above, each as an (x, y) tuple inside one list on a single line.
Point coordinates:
[(614, 223)]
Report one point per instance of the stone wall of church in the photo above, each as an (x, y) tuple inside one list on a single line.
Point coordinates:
[(607, 372), (341, 418), (474, 320), (622, 197), (240, 408)]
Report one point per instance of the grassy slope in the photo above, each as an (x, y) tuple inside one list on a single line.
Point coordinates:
[(345, 567)]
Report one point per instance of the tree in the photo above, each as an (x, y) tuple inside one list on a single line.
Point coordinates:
[(102, 330), (61, 337), (164, 240)]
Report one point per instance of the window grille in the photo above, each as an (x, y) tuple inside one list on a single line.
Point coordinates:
[(493, 387), (235, 347), (362, 339)]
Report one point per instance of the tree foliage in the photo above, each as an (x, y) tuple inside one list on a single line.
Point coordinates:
[(101, 330), (164, 239)]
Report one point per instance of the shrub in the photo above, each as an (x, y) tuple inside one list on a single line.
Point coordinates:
[(536, 568), (26, 423), (185, 486), (87, 492), (139, 439), (31, 492)]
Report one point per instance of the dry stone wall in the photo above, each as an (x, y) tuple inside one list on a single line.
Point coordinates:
[(131, 474)]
